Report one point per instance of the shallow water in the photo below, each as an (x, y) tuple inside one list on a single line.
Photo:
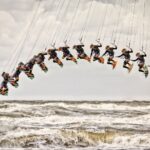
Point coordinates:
[(75, 125)]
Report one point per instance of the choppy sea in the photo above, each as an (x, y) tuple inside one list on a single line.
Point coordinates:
[(82, 125)]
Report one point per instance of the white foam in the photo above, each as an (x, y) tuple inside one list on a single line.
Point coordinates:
[(46, 122)]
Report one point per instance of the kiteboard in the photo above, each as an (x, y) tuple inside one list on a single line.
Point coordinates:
[(44, 68), (114, 64), (29, 75), (13, 83), (101, 60), (131, 67), (146, 71)]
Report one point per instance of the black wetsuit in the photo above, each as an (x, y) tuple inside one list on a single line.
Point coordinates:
[(30, 64), (40, 58), (140, 58), (52, 54), (110, 51), (126, 56), (96, 51), (141, 61), (17, 72), (4, 84), (79, 49), (5, 81), (6, 76), (111, 54), (66, 52)]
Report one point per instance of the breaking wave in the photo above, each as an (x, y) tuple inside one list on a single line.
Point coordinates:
[(80, 125)]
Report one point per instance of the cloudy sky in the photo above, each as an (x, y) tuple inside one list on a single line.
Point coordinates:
[(29, 26)]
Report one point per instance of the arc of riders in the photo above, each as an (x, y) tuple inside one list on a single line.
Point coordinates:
[(52, 53)]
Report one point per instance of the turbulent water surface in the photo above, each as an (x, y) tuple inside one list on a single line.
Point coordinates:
[(75, 125)]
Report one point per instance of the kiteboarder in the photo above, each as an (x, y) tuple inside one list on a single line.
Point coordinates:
[(110, 52), (96, 52), (67, 54), (141, 61), (40, 61), (53, 55), (80, 52), (126, 56)]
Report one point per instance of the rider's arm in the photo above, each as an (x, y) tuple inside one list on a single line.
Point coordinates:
[(82, 45), (115, 47), (91, 53), (45, 53), (100, 45), (105, 53), (120, 55), (131, 50), (144, 54), (135, 59)]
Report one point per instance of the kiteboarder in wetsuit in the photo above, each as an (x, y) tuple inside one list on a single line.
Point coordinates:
[(28, 67), (17, 73), (53, 55), (40, 61), (141, 61), (67, 54), (126, 55), (110, 52), (4, 86), (95, 52), (80, 52)]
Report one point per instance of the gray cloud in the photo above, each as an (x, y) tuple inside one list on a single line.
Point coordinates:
[(91, 80), (17, 5)]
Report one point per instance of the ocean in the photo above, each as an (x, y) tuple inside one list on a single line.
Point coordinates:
[(75, 125)]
